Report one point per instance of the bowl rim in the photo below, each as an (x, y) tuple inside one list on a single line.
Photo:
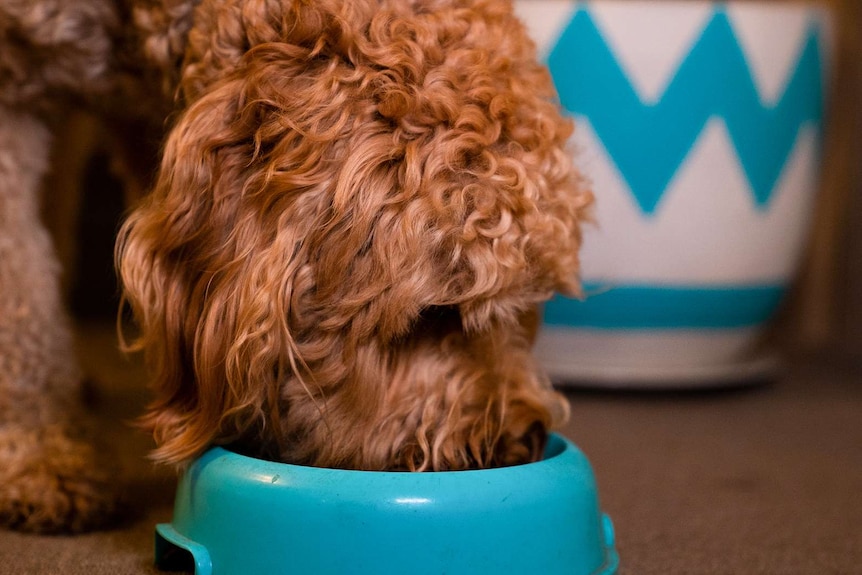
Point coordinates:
[(559, 451)]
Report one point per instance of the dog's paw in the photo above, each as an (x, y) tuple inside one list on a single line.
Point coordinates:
[(480, 443), (50, 482)]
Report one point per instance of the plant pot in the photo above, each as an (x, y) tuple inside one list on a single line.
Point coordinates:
[(699, 127)]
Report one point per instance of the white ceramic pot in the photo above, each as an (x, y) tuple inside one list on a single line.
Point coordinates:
[(699, 125)]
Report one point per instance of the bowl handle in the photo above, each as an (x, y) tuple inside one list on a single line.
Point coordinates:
[(612, 558), (175, 552)]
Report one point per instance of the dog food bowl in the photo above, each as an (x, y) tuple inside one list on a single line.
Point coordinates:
[(236, 515)]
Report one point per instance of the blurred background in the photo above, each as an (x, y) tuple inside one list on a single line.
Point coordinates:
[(825, 309)]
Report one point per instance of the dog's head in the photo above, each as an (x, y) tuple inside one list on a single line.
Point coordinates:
[(340, 169)]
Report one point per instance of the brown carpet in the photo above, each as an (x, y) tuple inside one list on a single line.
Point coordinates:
[(764, 480)]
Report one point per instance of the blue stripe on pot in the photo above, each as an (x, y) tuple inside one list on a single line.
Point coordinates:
[(665, 307), (648, 143)]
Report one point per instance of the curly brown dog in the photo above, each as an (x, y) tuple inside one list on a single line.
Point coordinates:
[(49, 479), (359, 207)]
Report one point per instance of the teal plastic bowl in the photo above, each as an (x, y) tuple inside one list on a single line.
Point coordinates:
[(235, 515)]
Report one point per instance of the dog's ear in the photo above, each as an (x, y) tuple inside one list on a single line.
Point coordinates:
[(220, 264), (520, 238), (210, 315), (513, 202)]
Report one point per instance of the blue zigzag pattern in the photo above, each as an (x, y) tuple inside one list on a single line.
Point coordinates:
[(648, 143)]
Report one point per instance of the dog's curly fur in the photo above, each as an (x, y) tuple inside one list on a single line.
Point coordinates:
[(359, 207), (355, 217)]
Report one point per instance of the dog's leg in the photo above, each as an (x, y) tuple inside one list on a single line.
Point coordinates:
[(49, 480), (482, 402), (461, 404), (438, 399)]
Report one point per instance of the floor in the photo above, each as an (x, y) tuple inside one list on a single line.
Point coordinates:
[(760, 480)]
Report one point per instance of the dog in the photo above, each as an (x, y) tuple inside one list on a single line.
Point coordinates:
[(359, 208)]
